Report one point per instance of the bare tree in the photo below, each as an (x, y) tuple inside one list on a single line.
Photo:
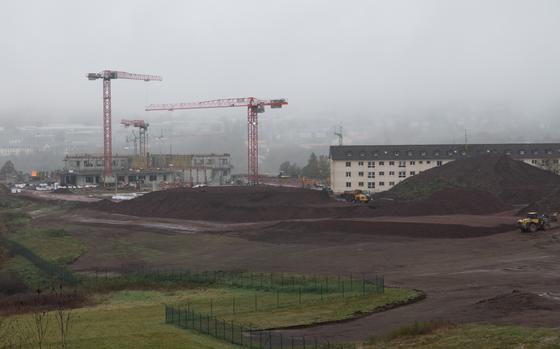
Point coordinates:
[(40, 323), (63, 317)]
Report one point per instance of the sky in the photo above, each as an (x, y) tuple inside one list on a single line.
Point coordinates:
[(357, 62)]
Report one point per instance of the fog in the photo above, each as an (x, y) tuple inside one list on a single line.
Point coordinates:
[(389, 72)]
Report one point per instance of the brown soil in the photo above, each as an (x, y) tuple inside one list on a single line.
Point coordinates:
[(446, 201), (232, 204), (512, 181), (323, 232)]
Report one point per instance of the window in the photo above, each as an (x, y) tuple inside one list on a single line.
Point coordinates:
[(153, 178), (381, 184), (360, 184), (402, 163), (382, 173), (436, 152), (423, 153), (391, 163), (412, 162), (534, 162), (397, 153), (391, 184), (420, 162), (391, 173), (371, 175), (371, 164), (89, 179), (348, 154), (402, 174), (363, 154), (360, 174), (522, 152), (371, 185), (132, 178), (409, 153), (412, 173), (381, 163), (348, 164), (360, 163), (348, 184), (428, 162), (120, 178), (439, 162), (348, 174), (375, 154), (164, 177)]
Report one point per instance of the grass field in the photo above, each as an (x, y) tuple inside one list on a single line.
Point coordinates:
[(135, 319), (473, 337)]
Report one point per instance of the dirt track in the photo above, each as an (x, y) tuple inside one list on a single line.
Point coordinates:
[(484, 260)]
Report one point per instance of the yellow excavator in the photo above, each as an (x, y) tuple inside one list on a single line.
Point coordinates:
[(536, 221)]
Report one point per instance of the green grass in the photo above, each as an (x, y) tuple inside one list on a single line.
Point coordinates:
[(134, 319), (473, 337), (54, 245), (288, 311)]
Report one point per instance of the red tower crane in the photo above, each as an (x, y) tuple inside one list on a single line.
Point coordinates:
[(107, 76), (254, 107), (142, 148)]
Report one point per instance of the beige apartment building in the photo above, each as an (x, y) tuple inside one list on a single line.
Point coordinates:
[(376, 168)]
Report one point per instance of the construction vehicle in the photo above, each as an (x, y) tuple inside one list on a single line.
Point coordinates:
[(355, 196), (536, 221)]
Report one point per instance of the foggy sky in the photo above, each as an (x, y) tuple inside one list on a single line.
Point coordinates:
[(357, 62)]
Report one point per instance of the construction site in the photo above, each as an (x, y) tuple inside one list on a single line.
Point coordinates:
[(465, 238), (469, 243)]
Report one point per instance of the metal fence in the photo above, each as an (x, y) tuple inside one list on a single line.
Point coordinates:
[(56, 272), (244, 335)]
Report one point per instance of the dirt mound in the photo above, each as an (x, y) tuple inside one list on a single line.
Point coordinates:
[(547, 204), (324, 232), (231, 204), (512, 181), (446, 201), (518, 301)]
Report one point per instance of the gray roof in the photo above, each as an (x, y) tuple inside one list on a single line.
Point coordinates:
[(442, 151)]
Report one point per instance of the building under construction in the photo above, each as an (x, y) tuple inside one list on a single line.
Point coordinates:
[(150, 170)]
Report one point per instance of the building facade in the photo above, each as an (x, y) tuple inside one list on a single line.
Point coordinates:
[(376, 168), (87, 169)]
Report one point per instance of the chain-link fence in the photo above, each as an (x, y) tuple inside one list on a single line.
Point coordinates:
[(243, 335)]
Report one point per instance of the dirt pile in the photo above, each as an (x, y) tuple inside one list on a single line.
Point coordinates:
[(445, 201), (547, 204), (337, 232), (518, 301), (231, 204), (512, 181)]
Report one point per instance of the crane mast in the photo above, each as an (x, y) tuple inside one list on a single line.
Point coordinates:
[(107, 76), (254, 107)]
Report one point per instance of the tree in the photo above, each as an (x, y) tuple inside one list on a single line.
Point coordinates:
[(324, 167), (63, 316), (311, 170), (290, 169)]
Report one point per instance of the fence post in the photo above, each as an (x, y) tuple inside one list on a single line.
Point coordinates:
[(233, 304), (211, 306), (232, 333)]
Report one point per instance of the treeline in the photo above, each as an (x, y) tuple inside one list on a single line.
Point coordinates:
[(317, 167)]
